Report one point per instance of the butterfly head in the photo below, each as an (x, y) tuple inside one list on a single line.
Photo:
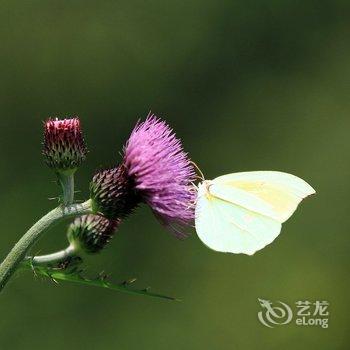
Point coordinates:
[(204, 188)]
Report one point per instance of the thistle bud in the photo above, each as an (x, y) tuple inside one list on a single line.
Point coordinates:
[(112, 193), (64, 146), (90, 233)]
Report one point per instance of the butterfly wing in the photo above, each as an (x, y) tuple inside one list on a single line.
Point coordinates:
[(243, 212), (230, 228), (271, 193)]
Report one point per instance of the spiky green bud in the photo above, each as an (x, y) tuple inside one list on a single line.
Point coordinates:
[(90, 233), (112, 193)]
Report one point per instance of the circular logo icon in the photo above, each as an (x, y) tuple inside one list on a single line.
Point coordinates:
[(273, 315)]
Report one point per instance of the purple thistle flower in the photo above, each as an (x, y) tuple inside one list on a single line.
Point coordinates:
[(162, 173)]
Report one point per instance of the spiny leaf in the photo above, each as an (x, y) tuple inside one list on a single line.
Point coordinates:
[(105, 284), (76, 276)]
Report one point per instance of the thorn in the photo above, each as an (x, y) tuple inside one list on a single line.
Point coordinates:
[(48, 274), (129, 281), (102, 276), (33, 268), (78, 200), (54, 268), (105, 284)]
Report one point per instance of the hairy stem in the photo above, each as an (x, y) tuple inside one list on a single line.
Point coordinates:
[(18, 252), (54, 258), (67, 183)]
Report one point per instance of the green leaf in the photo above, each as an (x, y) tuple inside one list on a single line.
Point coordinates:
[(76, 276)]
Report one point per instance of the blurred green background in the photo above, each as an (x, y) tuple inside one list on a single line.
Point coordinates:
[(247, 85)]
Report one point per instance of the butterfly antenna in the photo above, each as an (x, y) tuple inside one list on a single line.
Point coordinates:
[(199, 170), (194, 185)]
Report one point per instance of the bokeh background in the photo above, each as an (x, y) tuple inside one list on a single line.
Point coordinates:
[(247, 85)]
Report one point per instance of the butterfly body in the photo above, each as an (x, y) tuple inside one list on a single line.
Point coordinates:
[(204, 189)]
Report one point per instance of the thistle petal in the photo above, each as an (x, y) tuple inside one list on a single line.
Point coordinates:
[(162, 173)]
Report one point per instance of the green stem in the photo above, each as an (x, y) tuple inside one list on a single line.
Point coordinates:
[(18, 252), (67, 183), (53, 258)]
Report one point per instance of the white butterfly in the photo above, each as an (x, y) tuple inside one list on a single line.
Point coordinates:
[(243, 212)]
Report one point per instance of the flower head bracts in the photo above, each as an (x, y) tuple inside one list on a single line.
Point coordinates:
[(91, 233), (64, 146), (112, 193)]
